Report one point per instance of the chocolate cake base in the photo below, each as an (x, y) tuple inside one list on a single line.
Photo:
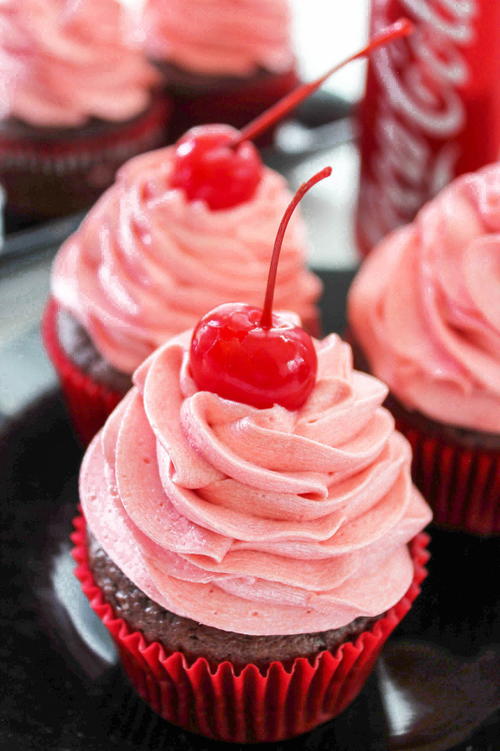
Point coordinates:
[(51, 172), (465, 437), (193, 639), (81, 350)]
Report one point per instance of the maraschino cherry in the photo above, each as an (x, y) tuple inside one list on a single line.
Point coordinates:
[(252, 355), (209, 168), (219, 164)]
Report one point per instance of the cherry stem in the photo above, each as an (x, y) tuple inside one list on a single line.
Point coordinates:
[(267, 309), (401, 28)]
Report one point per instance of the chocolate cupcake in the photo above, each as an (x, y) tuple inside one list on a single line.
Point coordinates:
[(222, 61), (247, 557), (193, 639), (77, 103), (423, 314), (152, 257), (250, 535)]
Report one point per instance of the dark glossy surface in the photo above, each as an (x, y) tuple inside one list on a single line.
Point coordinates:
[(437, 686)]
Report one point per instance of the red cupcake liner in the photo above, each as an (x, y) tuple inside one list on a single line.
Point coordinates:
[(461, 484), (89, 403), (236, 107), (248, 705)]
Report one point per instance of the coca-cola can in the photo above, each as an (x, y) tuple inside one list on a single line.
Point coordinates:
[(431, 109)]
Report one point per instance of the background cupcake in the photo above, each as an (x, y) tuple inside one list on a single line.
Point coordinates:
[(75, 103), (223, 61), (147, 262), (424, 313), (250, 563)]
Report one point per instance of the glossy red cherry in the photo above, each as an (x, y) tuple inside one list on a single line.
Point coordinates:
[(234, 356), (255, 356), (208, 167)]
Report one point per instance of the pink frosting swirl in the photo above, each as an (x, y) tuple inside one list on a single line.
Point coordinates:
[(65, 61), (259, 521), (425, 306), (146, 263), (220, 37)]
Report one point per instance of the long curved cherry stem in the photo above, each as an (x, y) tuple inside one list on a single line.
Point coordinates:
[(401, 28), (267, 309)]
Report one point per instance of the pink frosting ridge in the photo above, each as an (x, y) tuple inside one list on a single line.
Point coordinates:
[(65, 61), (259, 521), (425, 307), (147, 263), (220, 37)]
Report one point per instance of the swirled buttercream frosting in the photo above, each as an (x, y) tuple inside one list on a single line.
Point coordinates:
[(258, 521), (425, 307), (220, 37), (147, 263), (63, 62)]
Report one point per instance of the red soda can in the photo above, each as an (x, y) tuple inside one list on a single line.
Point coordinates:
[(431, 109)]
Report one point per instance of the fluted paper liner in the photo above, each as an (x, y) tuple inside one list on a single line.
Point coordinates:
[(461, 484), (248, 705)]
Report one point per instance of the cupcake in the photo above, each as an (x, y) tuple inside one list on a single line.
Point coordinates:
[(223, 61), (76, 102), (424, 317), (165, 244), (250, 533), (249, 563)]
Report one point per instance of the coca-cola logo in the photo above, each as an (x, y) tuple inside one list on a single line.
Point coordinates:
[(420, 76), (419, 100)]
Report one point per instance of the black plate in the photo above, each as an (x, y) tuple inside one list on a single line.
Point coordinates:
[(62, 690)]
